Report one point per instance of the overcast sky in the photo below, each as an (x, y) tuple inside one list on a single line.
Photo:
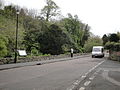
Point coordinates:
[(102, 15)]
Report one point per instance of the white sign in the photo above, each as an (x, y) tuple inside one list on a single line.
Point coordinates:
[(22, 52)]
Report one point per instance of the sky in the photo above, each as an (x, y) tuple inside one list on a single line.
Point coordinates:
[(103, 16)]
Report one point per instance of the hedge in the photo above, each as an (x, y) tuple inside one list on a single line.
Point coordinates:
[(113, 46)]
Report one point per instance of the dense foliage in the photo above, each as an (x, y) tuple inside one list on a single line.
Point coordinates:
[(92, 41), (53, 40), (105, 39), (41, 33), (3, 46), (113, 42), (113, 46)]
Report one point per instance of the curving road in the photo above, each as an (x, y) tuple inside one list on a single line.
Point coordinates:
[(54, 76)]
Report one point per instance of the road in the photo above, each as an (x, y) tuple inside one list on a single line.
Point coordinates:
[(104, 77), (65, 75)]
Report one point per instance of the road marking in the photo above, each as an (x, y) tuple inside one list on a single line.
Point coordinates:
[(77, 82), (71, 87), (95, 73), (94, 67), (82, 88), (91, 78), (106, 70), (83, 76), (87, 83)]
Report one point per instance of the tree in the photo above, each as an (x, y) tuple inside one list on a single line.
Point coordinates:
[(7, 29), (92, 41), (118, 34), (22, 15), (78, 30), (114, 37), (85, 35), (10, 11), (105, 39), (72, 24), (32, 13), (33, 27), (53, 40), (3, 46), (39, 34), (50, 10)]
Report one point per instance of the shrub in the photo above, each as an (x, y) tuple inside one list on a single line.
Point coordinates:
[(112, 46), (3, 46), (117, 47), (3, 49), (109, 45), (34, 51)]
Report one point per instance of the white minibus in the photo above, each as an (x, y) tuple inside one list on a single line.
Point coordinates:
[(97, 51)]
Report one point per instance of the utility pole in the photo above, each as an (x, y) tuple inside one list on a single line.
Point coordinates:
[(15, 60)]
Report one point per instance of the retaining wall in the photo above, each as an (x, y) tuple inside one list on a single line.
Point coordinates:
[(35, 58)]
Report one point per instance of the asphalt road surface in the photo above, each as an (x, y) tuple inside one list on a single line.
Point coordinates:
[(104, 77), (65, 75)]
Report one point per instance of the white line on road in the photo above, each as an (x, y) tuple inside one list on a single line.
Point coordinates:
[(91, 78), (84, 76), (87, 83), (77, 82), (94, 67), (82, 88)]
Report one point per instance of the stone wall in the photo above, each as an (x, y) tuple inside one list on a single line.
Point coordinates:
[(115, 55), (35, 58)]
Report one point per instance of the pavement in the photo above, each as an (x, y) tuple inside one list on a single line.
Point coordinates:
[(18, 65)]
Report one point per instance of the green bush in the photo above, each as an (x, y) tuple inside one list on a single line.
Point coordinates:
[(92, 41), (109, 45), (34, 51), (117, 46), (55, 41), (112, 46), (3, 49)]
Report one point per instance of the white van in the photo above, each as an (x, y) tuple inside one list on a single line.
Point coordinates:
[(98, 51)]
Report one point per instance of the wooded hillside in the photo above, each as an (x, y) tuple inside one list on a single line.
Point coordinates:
[(41, 33)]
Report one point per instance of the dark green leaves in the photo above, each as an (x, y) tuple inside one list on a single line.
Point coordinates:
[(51, 42)]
